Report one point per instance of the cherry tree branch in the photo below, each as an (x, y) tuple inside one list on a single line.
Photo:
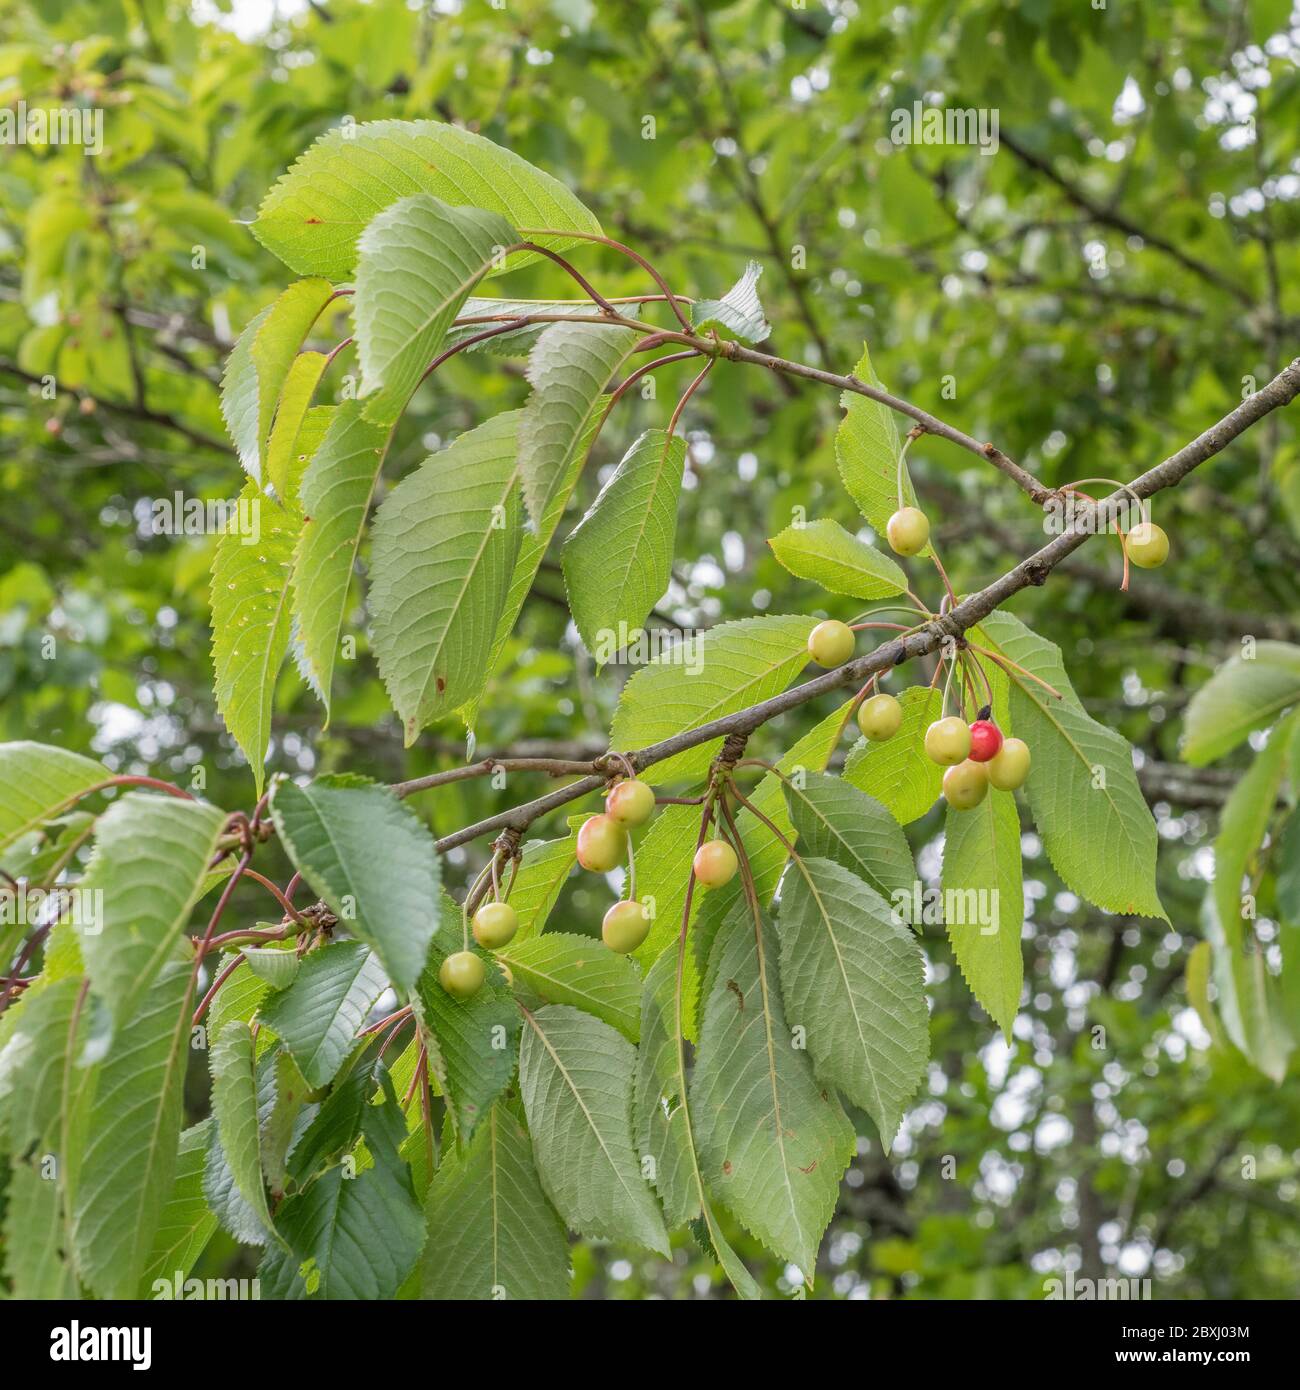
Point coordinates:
[(1033, 570)]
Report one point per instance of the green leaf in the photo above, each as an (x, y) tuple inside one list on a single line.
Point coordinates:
[(727, 668), (283, 468), (371, 859), (1088, 808), (853, 977), (277, 968), (185, 1225), (37, 782), (618, 560), (543, 870), (274, 350), (444, 547), (563, 968), (240, 997), (314, 215), (131, 1110), (35, 1258), (234, 1107), (662, 1120), (1248, 995), (773, 1142), (417, 262), (319, 1015), (766, 853), (866, 449), (352, 1237), (982, 886), (575, 1076), (32, 1065), (898, 773), (835, 820), (239, 396), (824, 552), (738, 314), (533, 546), (568, 370), (283, 1112), (474, 1041), (492, 1232), (251, 621), (1241, 696), (335, 492), (151, 858)]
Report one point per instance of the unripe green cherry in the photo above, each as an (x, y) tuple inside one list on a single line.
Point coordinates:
[(1147, 545), (601, 844), (631, 803), (626, 926), (715, 863), (1010, 766), (831, 643), (495, 924), (462, 974), (965, 785), (947, 741), (879, 717), (907, 531)]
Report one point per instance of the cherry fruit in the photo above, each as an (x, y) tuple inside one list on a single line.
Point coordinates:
[(715, 863), (495, 924), (1010, 766), (626, 926), (601, 844), (907, 531), (462, 974), (631, 803), (831, 643), (965, 785), (879, 717), (985, 740), (947, 741), (1147, 545)]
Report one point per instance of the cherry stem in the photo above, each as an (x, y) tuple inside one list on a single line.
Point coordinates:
[(688, 393), (278, 895), (914, 433), (623, 250), (631, 870), (221, 979), (1006, 663)]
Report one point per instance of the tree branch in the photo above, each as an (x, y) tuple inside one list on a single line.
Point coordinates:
[(1033, 570)]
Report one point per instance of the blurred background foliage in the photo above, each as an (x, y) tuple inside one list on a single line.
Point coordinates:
[(1090, 296)]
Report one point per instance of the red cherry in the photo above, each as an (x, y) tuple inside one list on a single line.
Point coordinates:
[(985, 740)]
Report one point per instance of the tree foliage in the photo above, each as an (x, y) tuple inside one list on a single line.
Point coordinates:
[(539, 425)]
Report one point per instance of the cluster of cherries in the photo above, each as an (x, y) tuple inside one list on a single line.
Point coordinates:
[(976, 755), (602, 845)]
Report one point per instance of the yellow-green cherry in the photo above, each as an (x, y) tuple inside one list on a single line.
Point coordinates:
[(965, 785), (631, 803), (1147, 545), (879, 717), (495, 924), (462, 974), (907, 531), (601, 843), (626, 926), (715, 863), (1009, 767), (947, 741), (831, 643)]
